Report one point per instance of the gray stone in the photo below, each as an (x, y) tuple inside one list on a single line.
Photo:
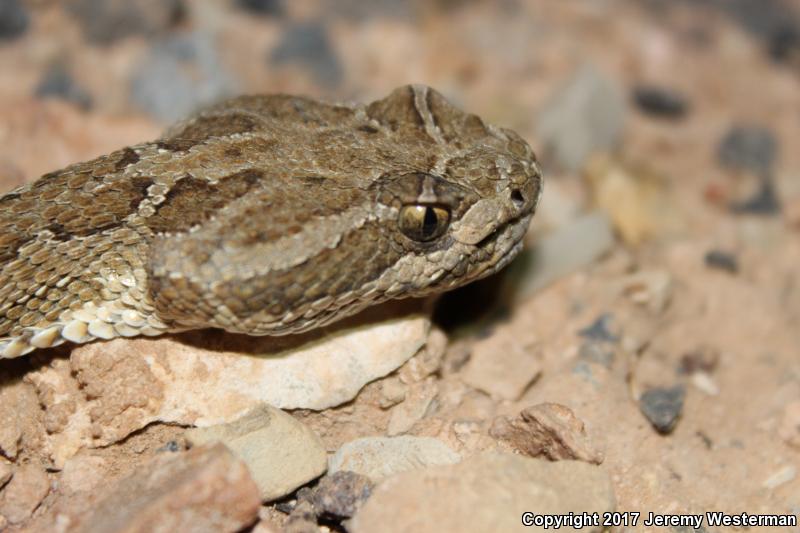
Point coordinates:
[(488, 492), (14, 19), (381, 457), (307, 43), (340, 494), (181, 74), (747, 147), (281, 453), (660, 101), (663, 406), (59, 83), (586, 115), (562, 252), (106, 21)]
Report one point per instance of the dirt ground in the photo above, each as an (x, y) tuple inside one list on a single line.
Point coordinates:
[(674, 340)]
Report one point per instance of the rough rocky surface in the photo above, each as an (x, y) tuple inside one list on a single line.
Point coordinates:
[(204, 489), (549, 430), (484, 493), (110, 390), (382, 457), (23, 494), (280, 452)]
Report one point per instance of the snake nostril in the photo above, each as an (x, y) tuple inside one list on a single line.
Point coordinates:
[(517, 198)]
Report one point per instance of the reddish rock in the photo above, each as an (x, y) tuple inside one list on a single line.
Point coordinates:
[(23, 494), (550, 430), (487, 492), (204, 489)]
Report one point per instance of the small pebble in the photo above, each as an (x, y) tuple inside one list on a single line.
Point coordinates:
[(663, 406), (340, 495), (764, 202), (14, 19), (750, 148), (705, 383), (584, 116), (171, 446), (262, 7), (722, 261), (107, 21), (59, 83), (599, 329), (308, 43), (660, 101), (781, 477), (785, 43)]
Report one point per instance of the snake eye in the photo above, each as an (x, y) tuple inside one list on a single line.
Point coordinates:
[(423, 222)]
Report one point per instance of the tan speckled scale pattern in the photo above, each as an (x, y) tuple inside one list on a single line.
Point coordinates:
[(264, 215)]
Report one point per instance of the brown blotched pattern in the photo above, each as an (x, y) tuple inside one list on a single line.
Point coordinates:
[(263, 215)]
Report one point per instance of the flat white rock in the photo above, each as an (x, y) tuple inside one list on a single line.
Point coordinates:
[(110, 389)]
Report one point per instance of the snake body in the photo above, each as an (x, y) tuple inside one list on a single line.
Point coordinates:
[(263, 215)]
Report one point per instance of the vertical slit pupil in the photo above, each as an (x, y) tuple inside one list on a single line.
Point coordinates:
[(430, 222)]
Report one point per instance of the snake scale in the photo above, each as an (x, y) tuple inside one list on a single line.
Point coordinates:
[(263, 215)]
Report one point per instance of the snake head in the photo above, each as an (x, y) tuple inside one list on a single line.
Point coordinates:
[(333, 208)]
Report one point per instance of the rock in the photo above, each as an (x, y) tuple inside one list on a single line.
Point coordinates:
[(180, 74), (426, 361), (270, 8), (302, 519), (307, 43), (281, 453), (382, 457), (663, 406), (58, 83), (789, 429), (586, 115), (23, 494), (764, 202), (701, 359), (488, 492), (419, 398), (501, 367), (637, 199), (599, 330), (777, 24), (335, 498), (106, 21), (705, 383), (722, 261), (393, 391), (340, 495), (204, 489), (572, 247), (660, 101), (550, 430), (649, 288), (109, 390), (5, 472), (748, 148), (267, 524), (14, 19), (780, 477), (83, 473), (600, 344)]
